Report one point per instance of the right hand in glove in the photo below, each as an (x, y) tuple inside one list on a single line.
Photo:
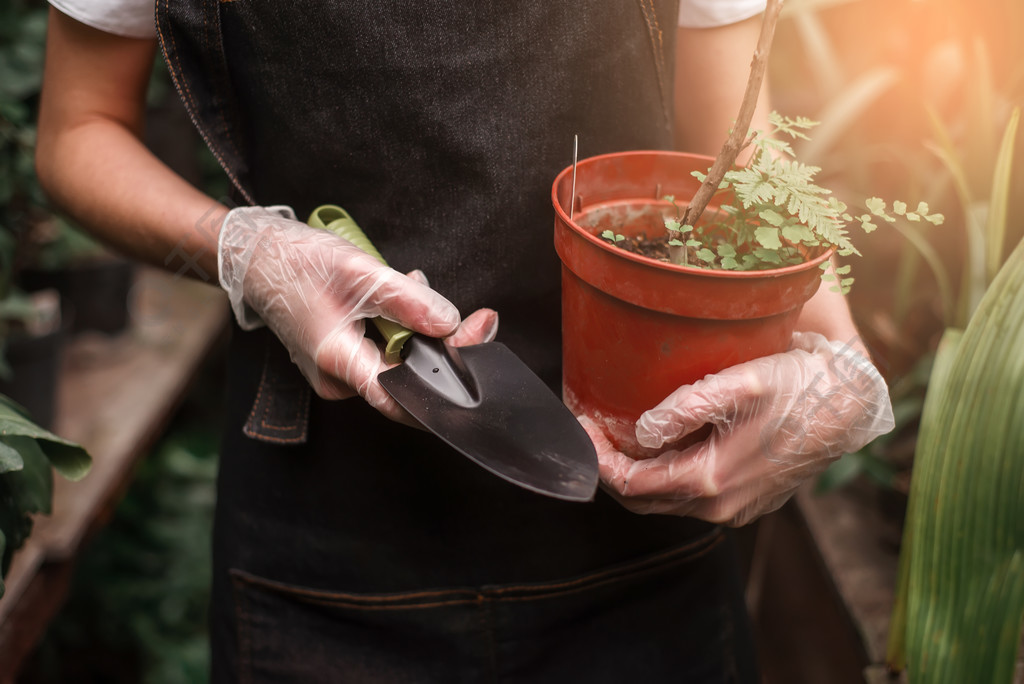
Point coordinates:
[(315, 290)]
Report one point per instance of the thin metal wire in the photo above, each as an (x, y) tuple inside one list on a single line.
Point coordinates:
[(572, 198)]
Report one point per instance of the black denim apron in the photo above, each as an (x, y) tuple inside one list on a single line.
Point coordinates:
[(349, 548)]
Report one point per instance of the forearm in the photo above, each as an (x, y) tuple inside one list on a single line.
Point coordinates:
[(712, 68), (92, 164), (828, 313), (101, 175)]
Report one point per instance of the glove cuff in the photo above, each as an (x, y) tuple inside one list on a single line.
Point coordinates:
[(238, 238), (861, 379)]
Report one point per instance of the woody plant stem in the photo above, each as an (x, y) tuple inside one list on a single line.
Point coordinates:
[(737, 139)]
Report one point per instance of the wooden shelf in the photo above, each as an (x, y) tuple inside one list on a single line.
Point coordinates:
[(116, 397)]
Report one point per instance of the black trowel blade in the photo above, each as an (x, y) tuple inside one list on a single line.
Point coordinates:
[(486, 403)]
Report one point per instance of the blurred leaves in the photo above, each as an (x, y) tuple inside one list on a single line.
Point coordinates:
[(961, 595), (141, 591), (27, 452)]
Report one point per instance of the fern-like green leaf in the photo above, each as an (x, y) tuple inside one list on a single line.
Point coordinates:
[(768, 237)]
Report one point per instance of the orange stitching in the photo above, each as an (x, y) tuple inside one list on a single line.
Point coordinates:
[(221, 111), (638, 566), (314, 594), (301, 417), (609, 580), (409, 606), (259, 388), (405, 601), (181, 85)]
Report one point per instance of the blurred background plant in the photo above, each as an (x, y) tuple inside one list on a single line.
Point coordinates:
[(916, 98), (22, 34), (930, 106), (137, 609)]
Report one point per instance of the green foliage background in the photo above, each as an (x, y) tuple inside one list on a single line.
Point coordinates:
[(137, 610)]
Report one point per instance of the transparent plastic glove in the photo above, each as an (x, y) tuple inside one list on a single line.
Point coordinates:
[(775, 422), (315, 290)]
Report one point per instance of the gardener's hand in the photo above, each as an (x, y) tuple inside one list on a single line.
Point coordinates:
[(315, 290), (775, 422)]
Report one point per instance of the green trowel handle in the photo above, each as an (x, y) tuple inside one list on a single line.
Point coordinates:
[(335, 219)]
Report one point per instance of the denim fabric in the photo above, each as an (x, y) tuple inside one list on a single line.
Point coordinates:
[(440, 125), (631, 622)]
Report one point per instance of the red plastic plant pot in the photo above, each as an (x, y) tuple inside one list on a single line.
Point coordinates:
[(635, 329)]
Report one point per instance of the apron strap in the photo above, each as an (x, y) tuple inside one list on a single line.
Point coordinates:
[(280, 412)]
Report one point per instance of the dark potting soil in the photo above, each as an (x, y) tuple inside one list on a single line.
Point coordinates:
[(653, 248)]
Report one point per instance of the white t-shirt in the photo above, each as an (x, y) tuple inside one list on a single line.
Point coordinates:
[(134, 18)]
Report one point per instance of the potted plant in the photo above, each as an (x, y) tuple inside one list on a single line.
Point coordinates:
[(655, 297), (651, 303)]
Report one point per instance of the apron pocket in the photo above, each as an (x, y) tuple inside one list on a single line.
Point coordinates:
[(293, 634), (675, 616)]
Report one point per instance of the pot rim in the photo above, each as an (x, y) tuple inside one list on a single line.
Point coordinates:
[(563, 216)]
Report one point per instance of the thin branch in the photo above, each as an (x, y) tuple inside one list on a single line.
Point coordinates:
[(738, 136)]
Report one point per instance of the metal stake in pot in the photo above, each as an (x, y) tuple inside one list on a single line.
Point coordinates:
[(572, 198)]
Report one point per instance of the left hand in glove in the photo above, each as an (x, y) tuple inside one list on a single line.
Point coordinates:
[(775, 422)]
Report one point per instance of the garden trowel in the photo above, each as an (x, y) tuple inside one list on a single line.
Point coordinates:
[(482, 399)]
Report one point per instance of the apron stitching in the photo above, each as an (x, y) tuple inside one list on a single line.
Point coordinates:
[(354, 605), (710, 539), (405, 601), (181, 85), (608, 580), (228, 130), (466, 595), (658, 48)]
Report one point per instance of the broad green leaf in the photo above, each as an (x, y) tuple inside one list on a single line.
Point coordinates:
[(706, 255), (772, 217), (768, 237), (798, 233), (961, 572), (1000, 197), (70, 460), (768, 256), (32, 486), (726, 250), (10, 459)]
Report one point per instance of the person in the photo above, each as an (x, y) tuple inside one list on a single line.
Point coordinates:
[(349, 546)]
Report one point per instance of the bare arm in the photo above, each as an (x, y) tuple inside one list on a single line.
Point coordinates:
[(712, 66), (91, 162)]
